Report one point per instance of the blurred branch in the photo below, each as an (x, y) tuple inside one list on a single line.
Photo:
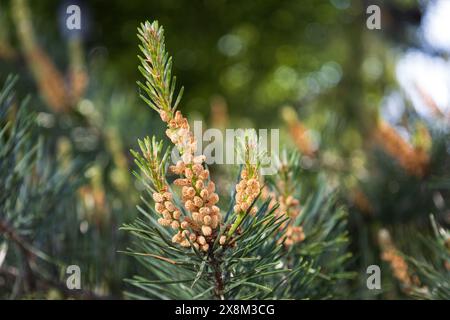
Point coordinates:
[(34, 278), (14, 236), (414, 160), (78, 76), (59, 95), (430, 102), (27, 253), (7, 52)]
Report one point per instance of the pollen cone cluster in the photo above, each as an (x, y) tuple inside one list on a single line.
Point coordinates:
[(293, 235), (247, 191), (397, 262), (198, 224), (298, 132), (170, 215), (413, 160), (288, 207), (197, 191)]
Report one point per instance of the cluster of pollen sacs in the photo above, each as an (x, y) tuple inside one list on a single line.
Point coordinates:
[(170, 215), (413, 160), (288, 207), (396, 261), (298, 132), (197, 191), (247, 191), (398, 265)]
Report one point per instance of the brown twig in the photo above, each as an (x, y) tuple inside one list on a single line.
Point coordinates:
[(27, 253), (14, 236), (218, 278)]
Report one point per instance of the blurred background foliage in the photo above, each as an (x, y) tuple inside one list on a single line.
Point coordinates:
[(368, 108)]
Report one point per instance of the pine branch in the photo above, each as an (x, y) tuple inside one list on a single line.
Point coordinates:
[(189, 251), (34, 197)]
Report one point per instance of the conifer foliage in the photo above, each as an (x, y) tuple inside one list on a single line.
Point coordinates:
[(263, 244), (34, 199)]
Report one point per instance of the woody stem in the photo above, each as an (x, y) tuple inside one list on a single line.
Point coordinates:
[(218, 279)]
